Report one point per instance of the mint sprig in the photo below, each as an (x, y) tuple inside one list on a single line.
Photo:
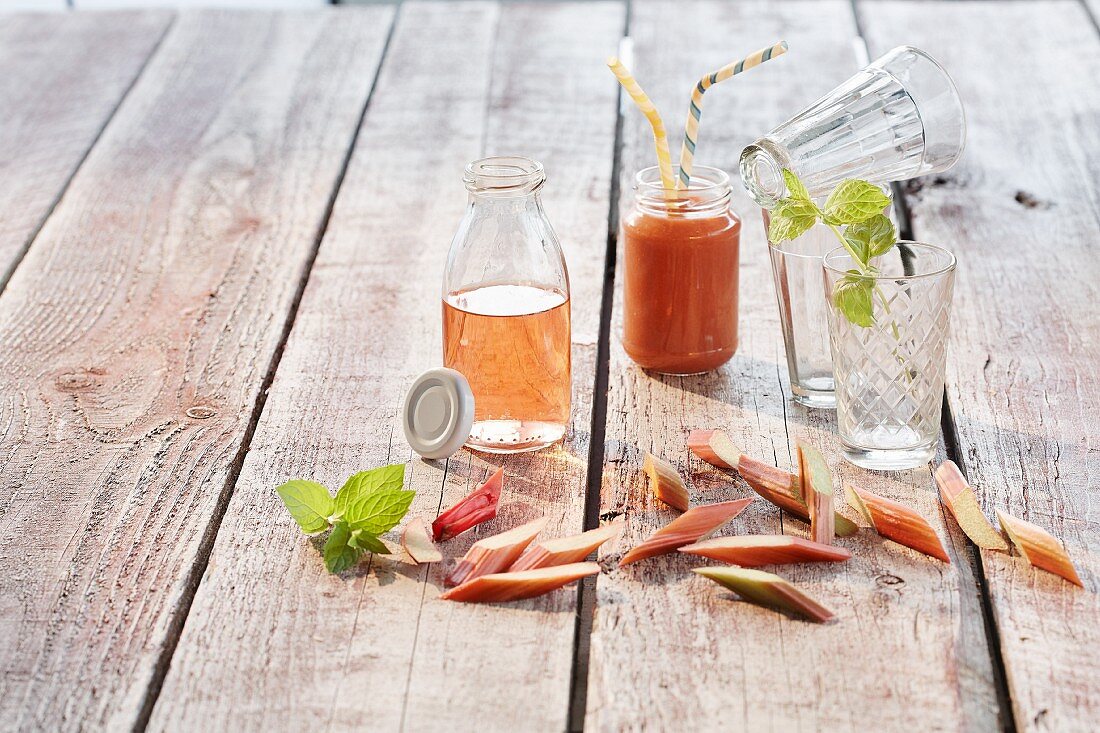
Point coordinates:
[(369, 504), (868, 233)]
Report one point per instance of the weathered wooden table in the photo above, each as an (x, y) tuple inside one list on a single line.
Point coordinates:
[(221, 242)]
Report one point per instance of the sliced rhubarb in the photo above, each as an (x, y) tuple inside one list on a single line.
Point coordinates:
[(501, 587), (690, 527), (1039, 547), (478, 507), (767, 589), (897, 522), (766, 549), (494, 554), (565, 550), (417, 543), (817, 492), (784, 489), (960, 500), (714, 447), (665, 482)]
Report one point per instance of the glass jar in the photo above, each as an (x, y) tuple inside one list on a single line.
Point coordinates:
[(506, 309), (681, 264)]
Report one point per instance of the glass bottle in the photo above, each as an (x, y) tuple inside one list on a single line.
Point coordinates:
[(681, 268), (506, 309)]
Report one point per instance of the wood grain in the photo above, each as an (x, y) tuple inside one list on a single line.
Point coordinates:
[(273, 640), (1021, 211), (136, 336), (671, 651), (57, 91)]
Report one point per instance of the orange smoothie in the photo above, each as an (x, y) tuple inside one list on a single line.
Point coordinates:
[(680, 275)]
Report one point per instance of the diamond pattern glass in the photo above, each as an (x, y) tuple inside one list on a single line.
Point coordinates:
[(889, 376)]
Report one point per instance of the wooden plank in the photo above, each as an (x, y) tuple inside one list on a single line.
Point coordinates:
[(377, 644), (18, 5), (1021, 211), (671, 650), (135, 339), (57, 90), (238, 4)]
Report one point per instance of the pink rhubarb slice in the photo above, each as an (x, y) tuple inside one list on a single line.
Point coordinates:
[(665, 482), (686, 529), (494, 554), (784, 489), (480, 506), (897, 522), (766, 589), (566, 550), (418, 544), (714, 447), (766, 549), (1039, 547), (502, 587), (817, 492), (960, 500)]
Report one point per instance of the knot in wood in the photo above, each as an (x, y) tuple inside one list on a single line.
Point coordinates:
[(201, 412)]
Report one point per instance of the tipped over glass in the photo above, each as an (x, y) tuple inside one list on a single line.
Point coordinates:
[(898, 118)]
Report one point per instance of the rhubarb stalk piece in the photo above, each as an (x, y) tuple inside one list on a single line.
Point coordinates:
[(665, 482), (960, 500), (897, 522), (766, 589), (714, 447), (1039, 547), (565, 550), (784, 489), (766, 549), (417, 543), (478, 507), (494, 554), (502, 587), (817, 492), (686, 529)]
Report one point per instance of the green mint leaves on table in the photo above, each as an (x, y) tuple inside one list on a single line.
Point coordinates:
[(370, 503), (868, 233)]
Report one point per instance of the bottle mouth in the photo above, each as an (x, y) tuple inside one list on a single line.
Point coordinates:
[(504, 176), (708, 192)]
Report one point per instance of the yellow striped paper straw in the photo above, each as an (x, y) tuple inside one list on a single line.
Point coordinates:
[(664, 158), (695, 111)]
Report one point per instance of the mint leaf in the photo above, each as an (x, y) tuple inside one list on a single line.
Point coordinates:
[(795, 189), (853, 201), (790, 219), (878, 232), (852, 297), (339, 553), (859, 245), (308, 502), (366, 541), (365, 482), (379, 511)]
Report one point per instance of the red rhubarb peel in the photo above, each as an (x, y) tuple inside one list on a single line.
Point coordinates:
[(665, 482), (417, 543), (897, 522), (784, 489), (817, 492), (686, 529), (1039, 547), (766, 549), (960, 500), (766, 589), (494, 554), (714, 447), (565, 550), (478, 507), (501, 587)]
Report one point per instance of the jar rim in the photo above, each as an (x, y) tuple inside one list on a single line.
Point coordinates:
[(830, 262), (503, 175), (648, 181)]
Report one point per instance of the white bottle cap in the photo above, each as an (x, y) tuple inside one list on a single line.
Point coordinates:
[(439, 413)]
